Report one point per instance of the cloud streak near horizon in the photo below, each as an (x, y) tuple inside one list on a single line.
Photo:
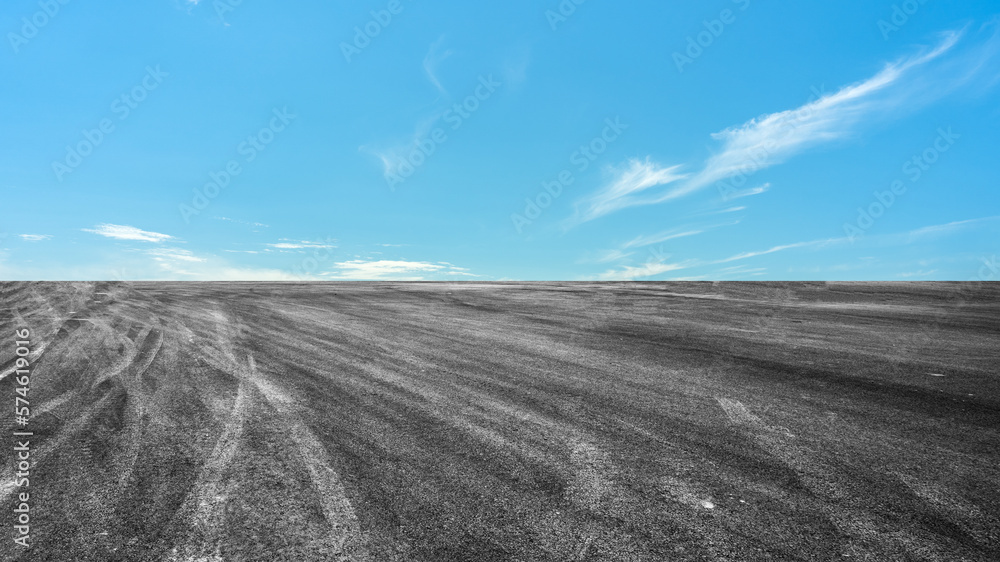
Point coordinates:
[(655, 267)]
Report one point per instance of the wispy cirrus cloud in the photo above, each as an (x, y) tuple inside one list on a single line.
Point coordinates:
[(749, 192), (656, 267), (124, 232), (890, 239), (186, 5), (394, 155), (253, 224), (35, 237), (394, 270), (174, 254), (741, 270), (184, 265), (627, 189), (641, 241), (401, 154), (288, 244), (783, 247), (152, 264), (656, 261), (628, 273), (771, 139), (950, 227), (435, 56), (605, 256)]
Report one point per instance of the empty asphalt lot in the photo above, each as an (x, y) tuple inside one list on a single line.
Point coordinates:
[(507, 421)]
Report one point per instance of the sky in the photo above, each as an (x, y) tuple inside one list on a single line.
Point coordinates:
[(518, 140)]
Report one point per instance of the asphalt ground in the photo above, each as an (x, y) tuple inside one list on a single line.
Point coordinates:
[(507, 421)]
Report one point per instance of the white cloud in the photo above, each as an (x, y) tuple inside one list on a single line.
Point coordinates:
[(394, 157), (771, 139), (949, 227), (432, 59), (35, 237), (186, 5), (395, 270), (628, 273), (156, 264), (640, 241), (300, 245), (764, 141), (691, 278), (738, 268), (884, 239), (656, 266), (515, 67), (809, 244), (177, 263), (738, 272), (626, 188), (256, 224), (122, 232), (219, 272), (605, 256), (657, 258), (749, 192), (172, 254)]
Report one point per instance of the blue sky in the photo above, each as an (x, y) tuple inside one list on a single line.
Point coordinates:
[(397, 139)]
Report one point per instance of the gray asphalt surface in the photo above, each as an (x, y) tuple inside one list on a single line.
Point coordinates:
[(509, 421)]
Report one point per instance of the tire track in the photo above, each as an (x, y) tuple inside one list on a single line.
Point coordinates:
[(778, 442), (146, 356), (44, 450), (131, 349), (337, 509), (65, 329), (11, 366), (52, 404), (207, 502), (865, 534), (204, 507), (974, 522), (71, 430), (137, 402), (211, 492), (740, 415)]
